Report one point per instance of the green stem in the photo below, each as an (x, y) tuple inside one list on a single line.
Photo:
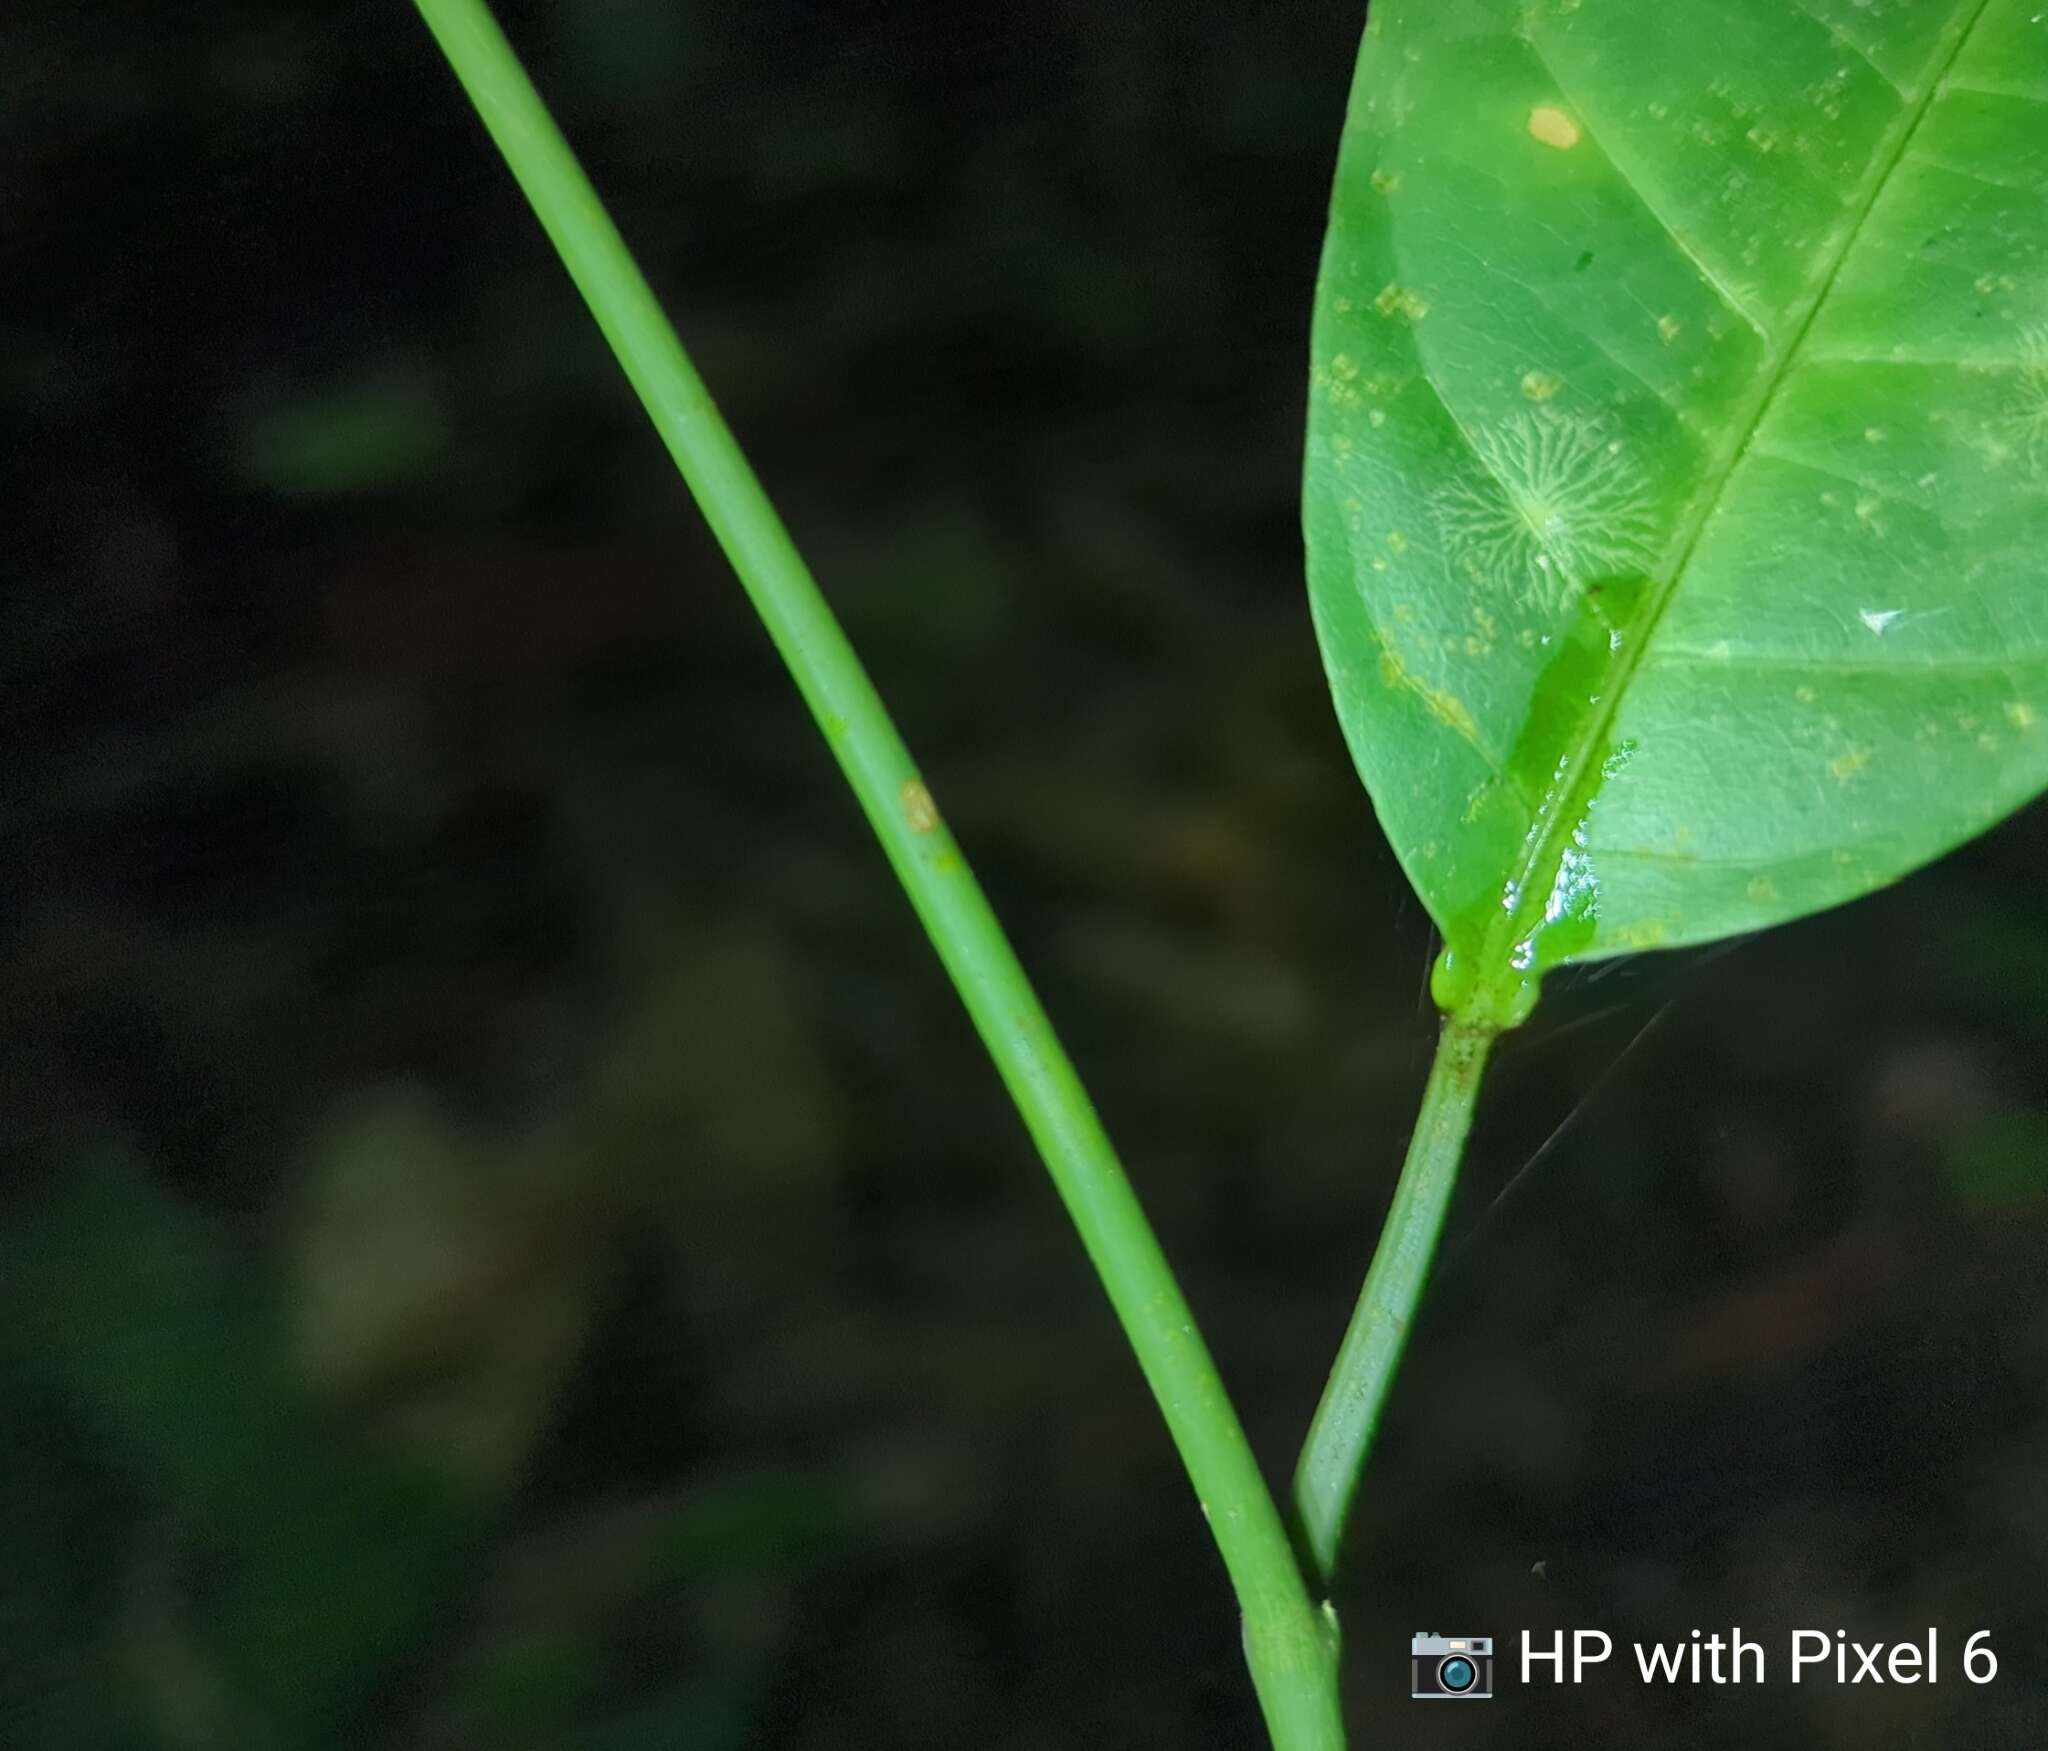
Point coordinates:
[(1341, 1435), (1289, 1644)]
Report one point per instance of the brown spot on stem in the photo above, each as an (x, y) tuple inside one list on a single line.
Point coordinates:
[(920, 813)]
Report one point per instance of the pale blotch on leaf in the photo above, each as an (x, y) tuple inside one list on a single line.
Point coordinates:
[(1384, 182), (1337, 381), (2021, 715), (1667, 329), (1650, 933), (1844, 767), (1400, 301), (1541, 385), (2025, 421), (1553, 505), (1552, 127)]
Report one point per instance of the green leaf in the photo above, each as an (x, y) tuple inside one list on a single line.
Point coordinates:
[(1677, 484)]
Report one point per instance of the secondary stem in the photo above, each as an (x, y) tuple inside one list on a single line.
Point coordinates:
[(1341, 1435), (1290, 1646)]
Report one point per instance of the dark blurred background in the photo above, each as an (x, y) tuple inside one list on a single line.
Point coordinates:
[(508, 1238)]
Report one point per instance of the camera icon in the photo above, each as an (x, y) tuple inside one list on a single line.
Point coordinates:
[(1450, 1668)]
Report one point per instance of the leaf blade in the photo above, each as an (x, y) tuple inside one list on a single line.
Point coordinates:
[(1619, 423)]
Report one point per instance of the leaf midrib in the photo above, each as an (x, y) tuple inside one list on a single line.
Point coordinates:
[(1559, 812)]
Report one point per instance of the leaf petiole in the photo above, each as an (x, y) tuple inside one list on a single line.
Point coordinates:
[(1341, 1435)]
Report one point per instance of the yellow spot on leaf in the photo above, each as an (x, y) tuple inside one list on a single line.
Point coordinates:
[(1384, 182), (1552, 127), (1844, 767), (1399, 301), (1651, 933), (1541, 385), (2021, 716), (1667, 328)]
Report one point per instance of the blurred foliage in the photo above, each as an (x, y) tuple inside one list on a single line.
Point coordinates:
[(509, 1239), (383, 428)]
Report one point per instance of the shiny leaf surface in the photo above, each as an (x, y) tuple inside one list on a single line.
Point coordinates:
[(1677, 484)]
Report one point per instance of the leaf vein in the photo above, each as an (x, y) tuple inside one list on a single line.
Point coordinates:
[(1714, 277), (2020, 93), (1823, 470), (1648, 854), (1929, 361), (1543, 848), (1836, 34), (1628, 370), (1925, 665), (2031, 187)]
